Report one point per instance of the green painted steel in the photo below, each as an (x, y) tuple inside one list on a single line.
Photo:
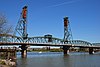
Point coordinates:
[(41, 40)]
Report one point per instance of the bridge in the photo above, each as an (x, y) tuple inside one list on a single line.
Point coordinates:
[(6, 39), (21, 38)]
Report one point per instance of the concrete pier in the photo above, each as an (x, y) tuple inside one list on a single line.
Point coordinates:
[(66, 50), (24, 51), (91, 51)]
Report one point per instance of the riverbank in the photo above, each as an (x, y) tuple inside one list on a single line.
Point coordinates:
[(44, 50), (7, 63), (8, 57)]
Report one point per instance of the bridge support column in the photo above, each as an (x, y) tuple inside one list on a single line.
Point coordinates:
[(66, 50), (91, 51), (24, 51)]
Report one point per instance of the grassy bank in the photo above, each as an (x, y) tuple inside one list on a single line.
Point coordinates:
[(45, 50)]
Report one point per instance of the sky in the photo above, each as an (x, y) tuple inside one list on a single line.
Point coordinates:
[(46, 17)]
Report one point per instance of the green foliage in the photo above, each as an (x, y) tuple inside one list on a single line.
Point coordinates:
[(46, 50), (56, 50)]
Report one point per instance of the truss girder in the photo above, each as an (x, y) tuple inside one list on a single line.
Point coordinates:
[(41, 40)]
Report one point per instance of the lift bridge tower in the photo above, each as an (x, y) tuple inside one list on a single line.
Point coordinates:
[(67, 35), (21, 30)]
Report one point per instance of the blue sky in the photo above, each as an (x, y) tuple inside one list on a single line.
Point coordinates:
[(46, 17)]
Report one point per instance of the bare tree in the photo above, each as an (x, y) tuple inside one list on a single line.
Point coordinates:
[(4, 28)]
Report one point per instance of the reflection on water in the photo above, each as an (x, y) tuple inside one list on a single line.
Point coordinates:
[(56, 59)]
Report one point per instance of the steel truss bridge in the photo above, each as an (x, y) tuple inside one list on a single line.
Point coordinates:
[(20, 37), (43, 41)]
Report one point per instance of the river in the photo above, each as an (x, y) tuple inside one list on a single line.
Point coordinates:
[(57, 59)]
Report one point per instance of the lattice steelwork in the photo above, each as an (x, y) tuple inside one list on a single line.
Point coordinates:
[(41, 40), (20, 36), (67, 31), (21, 28)]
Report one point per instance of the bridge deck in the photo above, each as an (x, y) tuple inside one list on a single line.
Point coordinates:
[(43, 41), (47, 44)]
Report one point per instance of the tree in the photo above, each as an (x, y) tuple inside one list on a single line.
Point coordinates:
[(4, 28)]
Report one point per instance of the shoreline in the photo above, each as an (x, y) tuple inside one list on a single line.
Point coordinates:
[(7, 63)]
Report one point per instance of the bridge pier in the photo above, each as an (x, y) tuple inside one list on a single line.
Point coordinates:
[(91, 51), (66, 50), (23, 51)]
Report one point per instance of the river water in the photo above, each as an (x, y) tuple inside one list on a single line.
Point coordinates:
[(57, 59)]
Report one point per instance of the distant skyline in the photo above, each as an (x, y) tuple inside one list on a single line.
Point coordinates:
[(46, 17)]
